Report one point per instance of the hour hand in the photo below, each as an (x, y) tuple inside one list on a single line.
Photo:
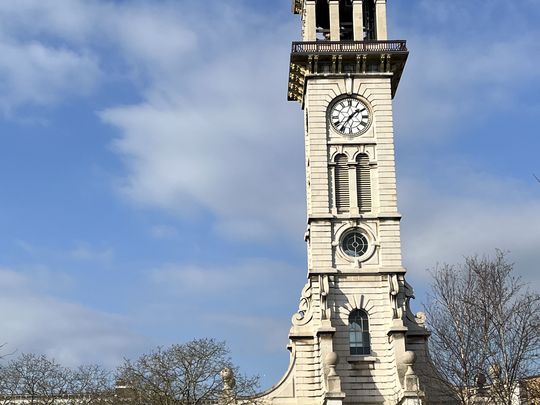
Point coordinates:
[(338, 123)]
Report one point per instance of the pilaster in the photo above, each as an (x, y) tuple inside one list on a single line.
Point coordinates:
[(334, 20), (310, 29), (358, 20), (380, 10)]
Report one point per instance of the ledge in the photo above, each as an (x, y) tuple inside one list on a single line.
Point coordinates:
[(359, 217), (361, 359), (323, 330), (313, 59)]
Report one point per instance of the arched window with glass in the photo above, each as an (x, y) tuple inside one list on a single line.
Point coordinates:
[(359, 340)]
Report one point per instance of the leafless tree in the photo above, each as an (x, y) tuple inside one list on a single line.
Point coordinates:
[(42, 381), (36, 378), (485, 326), (90, 385), (187, 374)]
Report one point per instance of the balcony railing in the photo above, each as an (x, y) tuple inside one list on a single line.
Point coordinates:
[(329, 47)]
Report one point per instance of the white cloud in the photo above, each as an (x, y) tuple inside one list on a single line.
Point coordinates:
[(242, 277), (52, 51), (163, 232), (86, 252), (27, 19), (81, 251), (33, 321), (36, 74), (445, 85), (483, 214), (159, 43), (203, 140), (212, 144), (465, 64)]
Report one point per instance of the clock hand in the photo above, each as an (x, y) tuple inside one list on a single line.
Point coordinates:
[(352, 115), (350, 118)]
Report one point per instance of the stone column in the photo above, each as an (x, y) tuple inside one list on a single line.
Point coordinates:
[(334, 20), (353, 189), (380, 11), (310, 21), (358, 20)]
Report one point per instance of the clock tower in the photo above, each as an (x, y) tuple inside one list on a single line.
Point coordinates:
[(354, 339)]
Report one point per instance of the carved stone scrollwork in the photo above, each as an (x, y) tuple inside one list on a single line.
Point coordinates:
[(324, 287), (420, 319), (394, 295), (409, 295), (305, 310), (401, 294)]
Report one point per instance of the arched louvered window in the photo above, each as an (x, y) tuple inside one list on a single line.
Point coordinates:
[(363, 183), (359, 340), (341, 180)]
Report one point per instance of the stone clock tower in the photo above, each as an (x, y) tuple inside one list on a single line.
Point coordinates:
[(354, 339)]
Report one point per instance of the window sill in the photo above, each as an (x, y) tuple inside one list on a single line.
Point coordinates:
[(361, 359)]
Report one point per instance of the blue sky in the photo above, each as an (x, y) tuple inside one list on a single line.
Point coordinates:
[(151, 171)]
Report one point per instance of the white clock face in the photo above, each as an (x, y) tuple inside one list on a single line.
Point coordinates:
[(350, 116)]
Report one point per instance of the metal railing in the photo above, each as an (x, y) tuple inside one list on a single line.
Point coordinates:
[(349, 46)]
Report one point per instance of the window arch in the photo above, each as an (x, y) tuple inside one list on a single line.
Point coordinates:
[(359, 340), (363, 183), (343, 202)]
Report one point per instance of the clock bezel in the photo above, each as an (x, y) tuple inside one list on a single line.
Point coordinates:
[(342, 97)]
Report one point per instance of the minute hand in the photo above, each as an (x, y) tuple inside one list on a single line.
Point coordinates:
[(348, 119)]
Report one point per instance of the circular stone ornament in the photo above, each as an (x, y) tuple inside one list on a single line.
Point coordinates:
[(354, 244)]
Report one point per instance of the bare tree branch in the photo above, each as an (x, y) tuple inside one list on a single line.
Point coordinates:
[(38, 380), (485, 327), (186, 374)]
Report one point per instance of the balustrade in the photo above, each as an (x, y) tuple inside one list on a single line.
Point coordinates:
[(337, 47)]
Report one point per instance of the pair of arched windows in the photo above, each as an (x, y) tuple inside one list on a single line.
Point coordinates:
[(359, 339), (347, 174)]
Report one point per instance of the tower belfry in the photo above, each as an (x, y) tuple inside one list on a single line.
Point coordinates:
[(351, 20), (354, 339)]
